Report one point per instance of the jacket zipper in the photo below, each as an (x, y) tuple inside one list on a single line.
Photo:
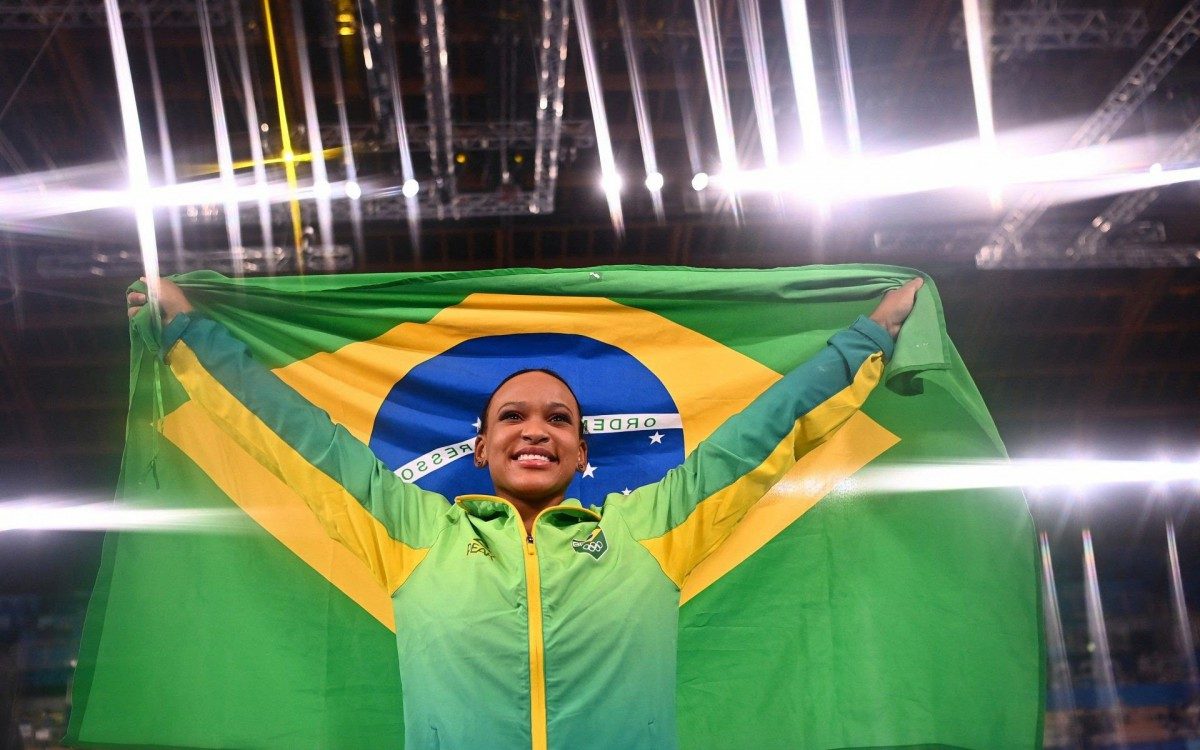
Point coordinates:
[(537, 647)]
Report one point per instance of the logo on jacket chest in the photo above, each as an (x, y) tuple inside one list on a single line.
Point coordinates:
[(595, 544), (476, 547)]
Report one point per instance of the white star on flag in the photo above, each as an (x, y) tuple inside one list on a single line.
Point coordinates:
[(626, 491), (656, 438), (476, 424), (590, 471)]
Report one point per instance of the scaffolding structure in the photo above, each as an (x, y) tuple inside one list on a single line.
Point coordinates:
[(1179, 36), (1044, 26)]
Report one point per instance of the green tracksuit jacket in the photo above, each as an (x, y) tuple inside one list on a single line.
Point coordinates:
[(565, 639)]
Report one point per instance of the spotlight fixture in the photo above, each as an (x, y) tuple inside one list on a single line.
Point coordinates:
[(410, 188), (353, 191), (654, 182), (700, 181)]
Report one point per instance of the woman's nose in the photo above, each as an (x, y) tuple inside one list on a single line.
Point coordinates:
[(534, 431)]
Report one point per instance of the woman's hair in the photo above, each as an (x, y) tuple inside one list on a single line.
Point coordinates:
[(487, 404)]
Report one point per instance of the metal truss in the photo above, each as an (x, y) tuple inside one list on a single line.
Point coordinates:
[(519, 135), (1131, 205), (1113, 256), (40, 14), (1179, 37), (962, 241), (127, 264), (1044, 26), (502, 202)]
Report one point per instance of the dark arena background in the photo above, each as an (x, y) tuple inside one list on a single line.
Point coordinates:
[(1037, 158)]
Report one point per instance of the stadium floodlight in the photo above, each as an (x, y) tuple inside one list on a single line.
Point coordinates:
[(352, 190), (410, 188), (699, 181), (654, 182)]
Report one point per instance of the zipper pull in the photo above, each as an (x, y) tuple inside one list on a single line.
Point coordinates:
[(529, 538)]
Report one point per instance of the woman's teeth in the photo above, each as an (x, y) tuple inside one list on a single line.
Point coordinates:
[(532, 457)]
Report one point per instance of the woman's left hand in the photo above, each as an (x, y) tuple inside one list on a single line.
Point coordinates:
[(895, 306)]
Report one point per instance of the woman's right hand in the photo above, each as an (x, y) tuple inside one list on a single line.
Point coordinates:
[(171, 300)]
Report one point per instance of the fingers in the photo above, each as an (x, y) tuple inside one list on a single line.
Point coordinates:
[(135, 302)]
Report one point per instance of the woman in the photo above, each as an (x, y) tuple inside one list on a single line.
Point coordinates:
[(522, 618)]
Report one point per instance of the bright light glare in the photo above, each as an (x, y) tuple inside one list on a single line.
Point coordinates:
[(1115, 167), (322, 190), (353, 191), (1066, 175), (654, 182), (63, 515), (804, 76), (611, 183), (979, 55), (1063, 473)]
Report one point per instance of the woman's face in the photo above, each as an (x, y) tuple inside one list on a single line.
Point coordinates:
[(531, 443)]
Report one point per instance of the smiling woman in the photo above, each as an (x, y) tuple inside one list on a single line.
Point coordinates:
[(524, 619), (531, 438)]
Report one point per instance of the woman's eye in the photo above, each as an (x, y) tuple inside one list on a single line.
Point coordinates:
[(507, 415), (560, 418)]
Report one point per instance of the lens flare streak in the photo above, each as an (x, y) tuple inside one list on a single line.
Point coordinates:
[(63, 515), (718, 92), (1102, 666), (1033, 473), (1183, 623), (641, 111), (610, 180), (760, 82), (846, 78), (166, 153), (804, 77), (1061, 686), (254, 136), (979, 55), (233, 218), (139, 174), (320, 177)]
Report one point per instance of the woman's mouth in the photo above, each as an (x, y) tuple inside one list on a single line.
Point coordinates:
[(533, 459)]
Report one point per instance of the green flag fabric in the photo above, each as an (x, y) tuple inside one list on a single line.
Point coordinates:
[(833, 616)]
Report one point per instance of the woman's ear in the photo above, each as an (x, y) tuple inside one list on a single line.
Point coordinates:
[(582, 456), (480, 460)]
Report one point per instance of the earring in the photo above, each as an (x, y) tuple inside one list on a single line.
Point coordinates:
[(480, 463)]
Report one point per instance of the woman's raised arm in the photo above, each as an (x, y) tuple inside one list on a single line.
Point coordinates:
[(684, 516), (334, 473)]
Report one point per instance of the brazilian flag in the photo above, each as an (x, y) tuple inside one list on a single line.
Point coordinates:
[(838, 615)]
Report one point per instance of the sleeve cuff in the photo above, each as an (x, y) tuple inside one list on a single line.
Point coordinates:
[(173, 332), (877, 334)]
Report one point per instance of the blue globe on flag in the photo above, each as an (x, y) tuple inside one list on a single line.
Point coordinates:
[(425, 429)]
